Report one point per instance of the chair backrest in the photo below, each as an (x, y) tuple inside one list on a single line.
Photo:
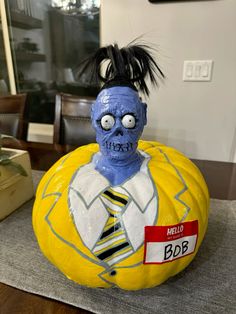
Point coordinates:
[(12, 116), (72, 123)]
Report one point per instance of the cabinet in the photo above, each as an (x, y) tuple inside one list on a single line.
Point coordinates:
[(27, 34), (47, 44), (29, 54), (23, 21), (26, 22)]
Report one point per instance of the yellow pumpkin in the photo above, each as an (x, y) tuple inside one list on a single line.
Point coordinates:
[(181, 204)]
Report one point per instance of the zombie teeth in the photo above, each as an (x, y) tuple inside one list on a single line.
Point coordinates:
[(119, 147)]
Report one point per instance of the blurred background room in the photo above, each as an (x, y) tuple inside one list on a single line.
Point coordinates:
[(194, 44)]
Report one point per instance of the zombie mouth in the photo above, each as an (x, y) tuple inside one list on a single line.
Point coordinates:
[(119, 147)]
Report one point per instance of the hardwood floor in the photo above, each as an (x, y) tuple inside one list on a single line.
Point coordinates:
[(14, 301), (220, 178)]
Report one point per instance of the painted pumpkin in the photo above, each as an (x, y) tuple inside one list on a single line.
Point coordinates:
[(159, 216)]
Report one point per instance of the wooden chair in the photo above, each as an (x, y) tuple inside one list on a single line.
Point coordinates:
[(12, 116), (72, 125)]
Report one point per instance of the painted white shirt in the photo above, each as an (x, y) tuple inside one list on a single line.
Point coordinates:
[(89, 211)]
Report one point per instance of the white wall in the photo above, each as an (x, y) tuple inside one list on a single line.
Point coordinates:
[(198, 118)]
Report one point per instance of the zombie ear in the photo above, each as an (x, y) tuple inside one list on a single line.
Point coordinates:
[(128, 66), (144, 113), (92, 115)]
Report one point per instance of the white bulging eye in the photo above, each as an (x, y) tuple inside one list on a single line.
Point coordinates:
[(107, 122), (128, 121)]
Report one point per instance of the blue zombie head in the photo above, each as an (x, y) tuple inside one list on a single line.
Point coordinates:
[(118, 116)]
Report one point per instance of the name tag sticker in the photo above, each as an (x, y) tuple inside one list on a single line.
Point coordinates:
[(164, 244)]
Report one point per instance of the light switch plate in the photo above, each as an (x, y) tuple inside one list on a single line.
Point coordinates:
[(197, 70)]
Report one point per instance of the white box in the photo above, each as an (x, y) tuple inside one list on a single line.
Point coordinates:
[(15, 189)]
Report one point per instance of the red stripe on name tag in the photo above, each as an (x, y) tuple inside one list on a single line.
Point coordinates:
[(168, 233)]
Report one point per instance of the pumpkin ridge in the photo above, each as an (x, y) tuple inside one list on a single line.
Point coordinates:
[(189, 190), (171, 200), (196, 182), (189, 175)]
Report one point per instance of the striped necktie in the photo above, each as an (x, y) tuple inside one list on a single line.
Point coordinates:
[(112, 245)]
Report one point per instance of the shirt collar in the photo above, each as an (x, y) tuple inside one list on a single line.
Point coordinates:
[(89, 183)]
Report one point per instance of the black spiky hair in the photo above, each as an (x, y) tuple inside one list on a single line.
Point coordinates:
[(128, 66)]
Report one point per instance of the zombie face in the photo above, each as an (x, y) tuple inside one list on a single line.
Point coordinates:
[(118, 117)]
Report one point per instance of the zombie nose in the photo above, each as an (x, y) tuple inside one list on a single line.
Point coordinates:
[(119, 132)]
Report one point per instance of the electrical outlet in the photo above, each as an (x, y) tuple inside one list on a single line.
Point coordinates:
[(197, 70)]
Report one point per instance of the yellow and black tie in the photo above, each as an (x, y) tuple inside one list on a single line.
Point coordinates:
[(112, 245)]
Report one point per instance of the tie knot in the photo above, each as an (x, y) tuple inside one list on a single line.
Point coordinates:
[(114, 201)]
